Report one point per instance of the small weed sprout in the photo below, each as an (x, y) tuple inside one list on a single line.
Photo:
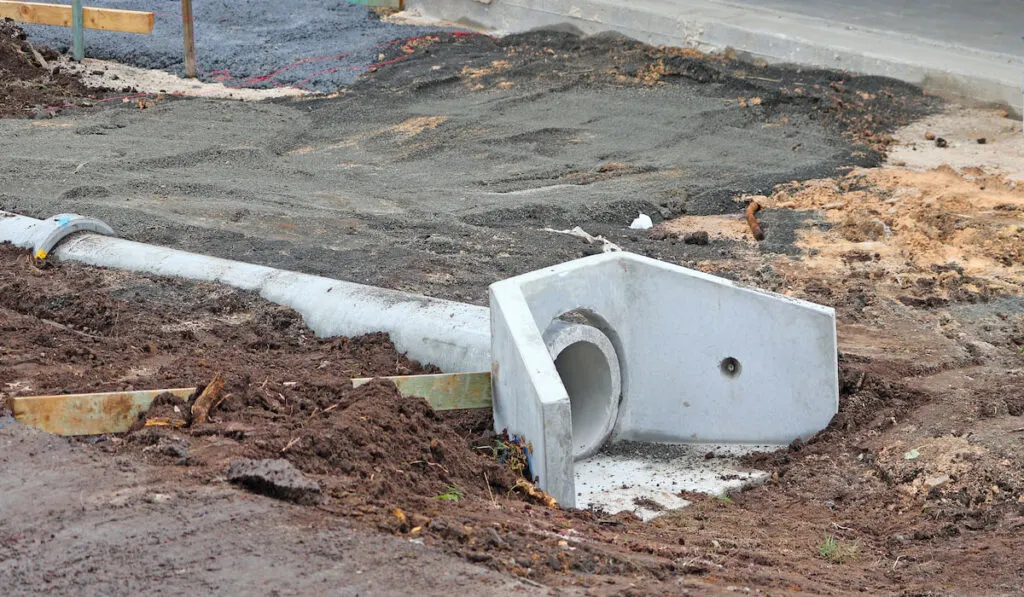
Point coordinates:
[(453, 494), (835, 552)]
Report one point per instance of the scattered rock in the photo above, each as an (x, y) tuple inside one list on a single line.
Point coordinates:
[(768, 276), (492, 539), (982, 140), (936, 481), (661, 234), (173, 447), (450, 530), (940, 142), (982, 350), (929, 136), (700, 237), (276, 478)]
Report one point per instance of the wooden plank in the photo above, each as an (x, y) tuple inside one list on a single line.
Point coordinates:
[(116, 412), (87, 414), (395, 4), (190, 39), (106, 19), (444, 391)]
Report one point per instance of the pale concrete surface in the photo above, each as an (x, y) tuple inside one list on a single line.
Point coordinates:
[(589, 369), (958, 48), (646, 479), (989, 25), (701, 359), (1002, 152)]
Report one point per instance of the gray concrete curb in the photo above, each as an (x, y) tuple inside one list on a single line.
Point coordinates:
[(453, 336), (945, 69)]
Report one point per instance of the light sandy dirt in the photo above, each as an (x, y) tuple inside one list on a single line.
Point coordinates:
[(1001, 153), (132, 81), (907, 226)]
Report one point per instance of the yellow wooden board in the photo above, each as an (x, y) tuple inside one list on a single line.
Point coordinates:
[(116, 412), (106, 19), (444, 391), (87, 414)]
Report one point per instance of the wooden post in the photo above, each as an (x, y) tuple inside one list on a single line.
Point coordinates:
[(77, 25), (190, 39)]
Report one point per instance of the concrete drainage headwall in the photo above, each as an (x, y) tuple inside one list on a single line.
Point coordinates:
[(453, 336), (696, 359), (602, 349)]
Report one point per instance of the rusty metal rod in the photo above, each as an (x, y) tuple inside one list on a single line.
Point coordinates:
[(755, 228)]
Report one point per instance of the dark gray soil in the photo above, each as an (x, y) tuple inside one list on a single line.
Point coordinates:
[(437, 174), (75, 521), (243, 42)]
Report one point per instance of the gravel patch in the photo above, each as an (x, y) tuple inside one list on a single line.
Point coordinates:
[(317, 45)]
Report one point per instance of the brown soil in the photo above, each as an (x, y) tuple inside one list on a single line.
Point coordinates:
[(907, 226), (27, 88), (916, 487)]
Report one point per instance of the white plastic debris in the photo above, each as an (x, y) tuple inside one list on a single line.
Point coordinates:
[(607, 246), (642, 222)]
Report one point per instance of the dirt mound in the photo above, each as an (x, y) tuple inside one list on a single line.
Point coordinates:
[(125, 332), (31, 79), (368, 445), (865, 108)]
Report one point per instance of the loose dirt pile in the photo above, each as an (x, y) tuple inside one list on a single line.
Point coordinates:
[(286, 393), (924, 237), (31, 79)]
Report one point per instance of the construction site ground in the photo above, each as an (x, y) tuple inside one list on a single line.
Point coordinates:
[(439, 173)]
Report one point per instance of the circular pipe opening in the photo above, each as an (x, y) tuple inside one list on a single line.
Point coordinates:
[(587, 377)]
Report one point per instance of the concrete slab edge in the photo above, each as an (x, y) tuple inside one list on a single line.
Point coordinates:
[(948, 70), (453, 336)]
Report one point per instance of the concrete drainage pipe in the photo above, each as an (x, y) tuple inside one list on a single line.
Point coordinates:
[(589, 368), (453, 336)]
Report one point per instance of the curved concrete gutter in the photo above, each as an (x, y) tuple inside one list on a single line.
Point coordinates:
[(453, 336)]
